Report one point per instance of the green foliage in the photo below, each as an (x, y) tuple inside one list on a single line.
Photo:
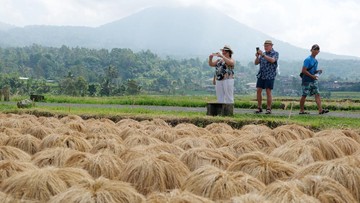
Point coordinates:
[(73, 86), (116, 72), (93, 89), (133, 88)]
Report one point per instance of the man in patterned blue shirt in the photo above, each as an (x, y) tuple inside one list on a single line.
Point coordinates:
[(267, 72)]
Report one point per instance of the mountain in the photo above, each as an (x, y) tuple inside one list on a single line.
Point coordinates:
[(55, 36), (176, 32), (5, 27)]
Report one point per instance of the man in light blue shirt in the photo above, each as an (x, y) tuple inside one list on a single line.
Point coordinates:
[(309, 82)]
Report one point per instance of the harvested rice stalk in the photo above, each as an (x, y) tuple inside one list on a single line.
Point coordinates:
[(101, 164), (197, 157), (100, 190), (53, 156), (176, 196), (11, 167), (39, 184), (299, 153), (344, 170), (187, 143), (284, 192), (27, 143), (324, 188), (13, 153), (264, 167), (160, 172), (219, 185), (67, 141)]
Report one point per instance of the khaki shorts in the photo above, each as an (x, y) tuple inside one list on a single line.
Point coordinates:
[(310, 88)]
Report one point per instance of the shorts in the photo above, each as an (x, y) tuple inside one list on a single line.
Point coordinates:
[(310, 88), (265, 83)]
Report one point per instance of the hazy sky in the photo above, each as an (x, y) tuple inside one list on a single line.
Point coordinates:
[(333, 24)]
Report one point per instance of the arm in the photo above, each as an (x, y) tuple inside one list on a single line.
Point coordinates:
[(307, 73), (211, 62), (271, 59), (268, 58), (228, 61)]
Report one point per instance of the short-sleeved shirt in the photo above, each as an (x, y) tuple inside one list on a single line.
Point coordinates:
[(267, 70), (309, 63)]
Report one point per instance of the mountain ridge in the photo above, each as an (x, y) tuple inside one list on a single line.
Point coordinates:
[(176, 32)]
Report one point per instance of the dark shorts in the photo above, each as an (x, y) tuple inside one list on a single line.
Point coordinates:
[(265, 84), (310, 88)]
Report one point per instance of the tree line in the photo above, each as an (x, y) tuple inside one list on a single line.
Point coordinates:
[(101, 72)]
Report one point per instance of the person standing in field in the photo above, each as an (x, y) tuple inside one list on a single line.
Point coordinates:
[(224, 73), (266, 76), (309, 83)]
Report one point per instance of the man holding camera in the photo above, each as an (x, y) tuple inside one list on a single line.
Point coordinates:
[(266, 75), (309, 82)]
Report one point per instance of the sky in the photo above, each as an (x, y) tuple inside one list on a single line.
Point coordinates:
[(333, 24)]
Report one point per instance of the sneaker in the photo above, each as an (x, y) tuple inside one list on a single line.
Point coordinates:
[(324, 111)]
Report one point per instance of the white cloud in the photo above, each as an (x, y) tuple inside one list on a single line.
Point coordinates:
[(332, 24)]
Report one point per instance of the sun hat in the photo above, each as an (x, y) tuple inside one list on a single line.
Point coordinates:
[(268, 42), (227, 48)]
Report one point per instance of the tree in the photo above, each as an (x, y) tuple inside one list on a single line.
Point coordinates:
[(81, 86), (108, 85), (132, 87), (93, 89), (39, 86), (68, 87)]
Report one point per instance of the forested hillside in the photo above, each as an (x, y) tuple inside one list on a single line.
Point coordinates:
[(82, 71), (107, 71)]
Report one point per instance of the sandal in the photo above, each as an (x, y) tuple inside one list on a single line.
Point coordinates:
[(324, 111), (259, 110), (268, 111), (304, 112)]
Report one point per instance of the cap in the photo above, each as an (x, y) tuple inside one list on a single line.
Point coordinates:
[(315, 47), (227, 48), (268, 42)]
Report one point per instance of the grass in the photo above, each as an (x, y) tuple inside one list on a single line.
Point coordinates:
[(247, 102), (200, 119), (346, 95), (185, 101), (313, 122)]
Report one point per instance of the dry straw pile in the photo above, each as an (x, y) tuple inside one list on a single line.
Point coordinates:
[(70, 159)]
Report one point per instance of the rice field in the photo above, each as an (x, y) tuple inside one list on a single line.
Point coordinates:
[(70, 159)]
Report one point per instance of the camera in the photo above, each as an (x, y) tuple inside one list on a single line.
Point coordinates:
[(257, 49)]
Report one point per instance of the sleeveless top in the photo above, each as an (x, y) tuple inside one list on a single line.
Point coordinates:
[(223, 71)]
